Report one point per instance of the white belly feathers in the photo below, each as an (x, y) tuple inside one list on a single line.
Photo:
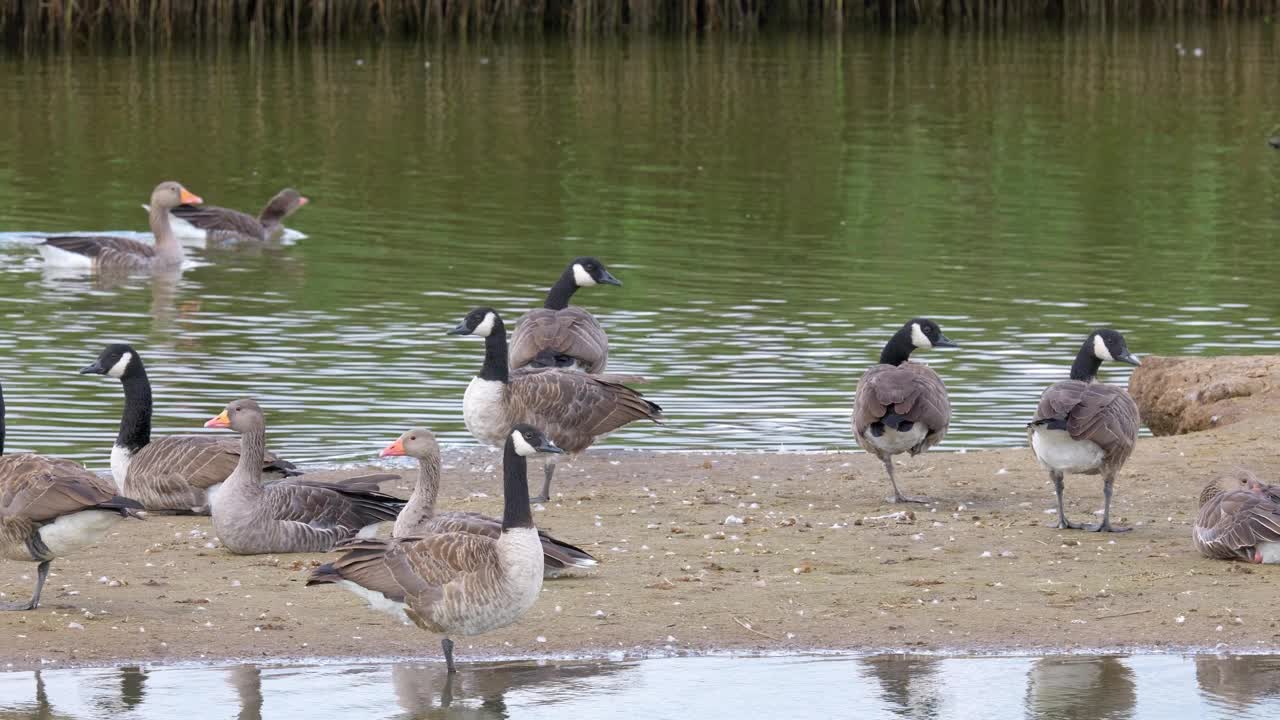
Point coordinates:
[(1057, 450)]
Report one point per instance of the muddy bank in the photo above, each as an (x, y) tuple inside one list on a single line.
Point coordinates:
[(746, 551), (1188, 394)]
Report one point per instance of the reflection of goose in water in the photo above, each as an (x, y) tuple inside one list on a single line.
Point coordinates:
[(1238, 681), (908, 683), (39, 710), (247, 680), (1071, 688), (429, 691)]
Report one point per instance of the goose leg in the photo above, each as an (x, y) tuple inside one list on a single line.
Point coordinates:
[(42, 573), (897, 496), (446, 695), (548, 469), (1105, 525), (447, 645), (1063, 523)]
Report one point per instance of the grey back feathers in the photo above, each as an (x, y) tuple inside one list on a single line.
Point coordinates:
[(1239, 519)]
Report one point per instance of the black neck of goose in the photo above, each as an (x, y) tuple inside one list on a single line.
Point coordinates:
[(898, 349), (561, 293), (1087, 363), (495, 354), (135, 423), (516, 512)]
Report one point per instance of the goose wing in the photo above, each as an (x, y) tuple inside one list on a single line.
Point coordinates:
[(220, 219), (326, 506), (574, 408), (911, 390), (106, 249), (196, 460), (1235, 521), (412, 570), (571, 332), (1101, 413), (38, 488)]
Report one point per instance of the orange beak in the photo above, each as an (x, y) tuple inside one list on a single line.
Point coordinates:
[(302, 201), (189, 198), (222, 421), (394, 449)]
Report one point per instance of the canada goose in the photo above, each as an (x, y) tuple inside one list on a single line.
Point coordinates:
[(1239, 520), (104, 252), (557, 335), (572, 408), (1086, 427), (210, 222), (49, 508), (252, 518), (176, 472), (900, 406), (419, 516), (455, 583)]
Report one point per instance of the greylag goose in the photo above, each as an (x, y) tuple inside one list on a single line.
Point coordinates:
[(172, 473), (557, 335), (213, 223), (104, 252), (1087, 427), (252, 518), (455, 583), (1239, 519), (419, 516), (901, 406), (50, 508), (572, 408)]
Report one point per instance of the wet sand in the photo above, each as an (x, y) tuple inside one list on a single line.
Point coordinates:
[(708, 552)]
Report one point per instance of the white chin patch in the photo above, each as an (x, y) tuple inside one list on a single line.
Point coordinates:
[(117, 370), (582, 277), (1100, 349), (918, 338), (522, 446), (486, 327)]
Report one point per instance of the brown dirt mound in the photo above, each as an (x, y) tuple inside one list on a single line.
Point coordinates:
[(1182, 394)]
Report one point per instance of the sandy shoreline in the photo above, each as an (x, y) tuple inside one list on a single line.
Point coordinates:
[(978, 571)]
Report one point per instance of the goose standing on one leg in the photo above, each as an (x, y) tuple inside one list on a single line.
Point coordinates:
[(1086, 427), (49, 508), (419, 516), (456, 583), (252, 518), (557, 335), (104, 252), (172, 473), (901, 406), (572, 408)]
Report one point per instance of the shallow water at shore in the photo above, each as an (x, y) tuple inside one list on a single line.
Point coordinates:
[(906, 686), (774, 207)]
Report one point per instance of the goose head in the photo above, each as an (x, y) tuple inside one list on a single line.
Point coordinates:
[(926, 334), (1238, 480), (240, 415), (418, 443), (170, 194), (1107, 344), (588, 271), (480, 321), (118, 361), (529, 440)]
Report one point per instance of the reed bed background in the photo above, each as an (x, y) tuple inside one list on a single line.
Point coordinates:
[(28, 22)]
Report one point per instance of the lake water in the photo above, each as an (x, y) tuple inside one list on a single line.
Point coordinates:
[(775, 207), (904, 686)]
